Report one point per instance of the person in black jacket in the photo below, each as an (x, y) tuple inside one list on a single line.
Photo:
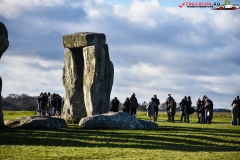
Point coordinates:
[(199, 105), (39, 101), (183, 104), (133, 104), (157, 102), (126, 105), (44, 104), (208, 110), (115, 104), (188, 107), (53, 105)]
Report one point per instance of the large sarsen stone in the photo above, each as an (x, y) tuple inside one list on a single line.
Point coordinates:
[(4, 43), (74, 107), (97, 79), (118, 120), (3, 47), (35, 122), (82, 39)]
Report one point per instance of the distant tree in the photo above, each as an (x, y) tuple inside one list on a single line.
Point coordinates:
[(19, 102)]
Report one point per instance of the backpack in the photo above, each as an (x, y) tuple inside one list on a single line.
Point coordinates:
[(172, 106)]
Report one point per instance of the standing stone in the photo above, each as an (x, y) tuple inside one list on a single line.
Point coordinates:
[(74, 107), (4, 43), (87, 75), (98, 79)]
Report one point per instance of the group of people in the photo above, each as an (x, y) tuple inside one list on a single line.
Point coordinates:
[(129, 106), (49, 104), (236, 111), (204, 108)]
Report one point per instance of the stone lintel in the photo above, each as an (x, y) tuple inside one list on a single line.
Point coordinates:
[(83, 39)]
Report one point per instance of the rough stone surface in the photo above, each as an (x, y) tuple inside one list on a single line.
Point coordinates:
[(3, 39), (118, 120), (3, 47), (82, 39), (74, 107), (97, 79), (35, 122), (1, 114)]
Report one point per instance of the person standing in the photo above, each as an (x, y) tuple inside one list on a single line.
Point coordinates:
[(172, 110), (188, 107), (235, 111), (150, 109), (199, 105), (183, 104), (168, 100), (115, 104), (39, 101), (134, 104), (208, 110), (44, 104), (59, 105), (126, 105), (157, 102)]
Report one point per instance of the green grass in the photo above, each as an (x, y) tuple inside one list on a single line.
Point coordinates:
[(172, 141), (9, 115)]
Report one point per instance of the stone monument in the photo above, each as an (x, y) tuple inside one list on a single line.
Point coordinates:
[(87, 75), (3, 47)]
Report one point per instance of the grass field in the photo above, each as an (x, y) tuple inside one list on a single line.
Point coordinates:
[(176, 140)]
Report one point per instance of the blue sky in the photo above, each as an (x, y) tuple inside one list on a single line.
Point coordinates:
[(156, 47)]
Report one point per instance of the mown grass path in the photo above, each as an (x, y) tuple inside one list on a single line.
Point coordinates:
[(176, 140)]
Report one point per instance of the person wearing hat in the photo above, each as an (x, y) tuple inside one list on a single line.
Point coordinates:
[(199, 105), (236, 111), (183, 104), (168, 100)]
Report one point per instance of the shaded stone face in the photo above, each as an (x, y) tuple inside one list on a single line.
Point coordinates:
[(82, 39), (3, 47), (98, 79), (74, 107), (3, 39)]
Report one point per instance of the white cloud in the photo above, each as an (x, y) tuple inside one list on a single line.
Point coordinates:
[(155, 50), (30, 75), (143, 12), (14, 8)]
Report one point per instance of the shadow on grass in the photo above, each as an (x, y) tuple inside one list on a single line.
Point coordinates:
[(167, 138)]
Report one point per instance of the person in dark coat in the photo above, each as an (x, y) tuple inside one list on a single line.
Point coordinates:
[(168, 100), (208, 110), (44, 104), (235, 111), (188, 107), (126, 105), (183, 104), (53, 105), (39, 101), (115, 104), (133, 104), (59, 104), (172, 109), (157, 102), (199, 105)]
